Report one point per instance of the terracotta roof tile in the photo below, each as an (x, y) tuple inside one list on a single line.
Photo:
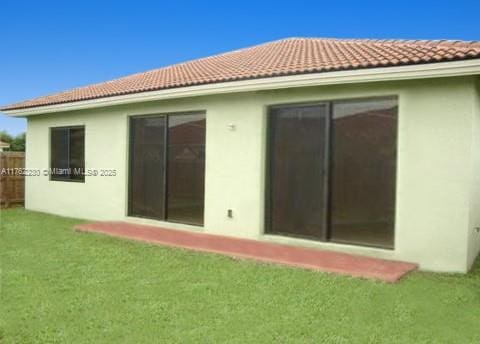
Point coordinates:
[(283, 57)]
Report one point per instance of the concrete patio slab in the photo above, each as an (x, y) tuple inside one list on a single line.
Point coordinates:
[(294, 256)]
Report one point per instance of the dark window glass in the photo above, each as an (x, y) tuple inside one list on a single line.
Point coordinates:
[(363, 172), (77, 150), (67, 160), (167, 168), (147, 167), (186, 168), (298, 157)]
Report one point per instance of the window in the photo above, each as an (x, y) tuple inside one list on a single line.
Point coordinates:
[(67, 154), (167, 167), (332, 170)]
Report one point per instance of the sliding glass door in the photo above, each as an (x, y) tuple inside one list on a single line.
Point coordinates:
[(147, 167), (298, 170), (167, 167), (364, 160), (186, 168), (332, 170)]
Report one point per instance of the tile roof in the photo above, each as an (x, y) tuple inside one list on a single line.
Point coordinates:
[(284, 57)]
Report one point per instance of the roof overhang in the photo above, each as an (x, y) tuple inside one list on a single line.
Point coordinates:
[(419, 71)]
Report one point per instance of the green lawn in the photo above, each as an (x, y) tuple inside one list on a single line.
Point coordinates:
[(58, 286)]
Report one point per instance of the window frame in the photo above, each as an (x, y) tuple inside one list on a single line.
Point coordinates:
[(269, 170), (269, 110), (130, 141), (54, 178)]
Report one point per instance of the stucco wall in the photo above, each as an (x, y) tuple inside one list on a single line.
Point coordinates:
[(434, 160), (474, 226)]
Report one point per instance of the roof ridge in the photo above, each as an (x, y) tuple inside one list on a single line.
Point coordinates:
[(394, 41), (435, 43), (409, 42)]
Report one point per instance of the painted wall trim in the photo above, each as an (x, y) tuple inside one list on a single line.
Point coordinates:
[(422, 71)]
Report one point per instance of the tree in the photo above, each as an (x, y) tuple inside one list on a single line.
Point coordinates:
[(17, 143), (5, 137)]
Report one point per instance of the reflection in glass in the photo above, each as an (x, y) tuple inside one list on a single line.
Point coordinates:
[(363, 172), (67, 153), (298, 152), (186, 168), (77, 153), (147, 171)]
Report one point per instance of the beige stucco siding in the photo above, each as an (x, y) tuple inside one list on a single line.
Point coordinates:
[(433, 173), (98, 197), (436, 134), (474, 225)]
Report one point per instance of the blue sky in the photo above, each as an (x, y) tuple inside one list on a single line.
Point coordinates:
[(49, 46)]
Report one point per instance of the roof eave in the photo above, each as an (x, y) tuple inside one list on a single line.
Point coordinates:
[(418, 71)]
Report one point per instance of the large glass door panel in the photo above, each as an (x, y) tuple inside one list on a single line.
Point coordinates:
[(147, 167), (186, 168), (298, 161), (363, 172)]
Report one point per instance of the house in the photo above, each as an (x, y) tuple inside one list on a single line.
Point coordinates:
[(369, 147), (4, 146)]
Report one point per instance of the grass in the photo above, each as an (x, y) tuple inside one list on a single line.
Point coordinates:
[(59, 286)]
